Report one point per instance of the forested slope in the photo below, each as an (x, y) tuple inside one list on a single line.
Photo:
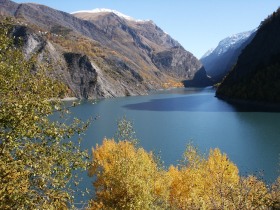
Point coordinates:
[(256, 74)]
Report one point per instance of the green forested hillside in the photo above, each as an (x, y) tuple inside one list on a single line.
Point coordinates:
[(261, 84), (256, 74)]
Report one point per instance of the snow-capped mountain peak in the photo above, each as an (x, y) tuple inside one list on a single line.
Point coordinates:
[(208, 52), (219, 61), (233, 41), (97, 10)]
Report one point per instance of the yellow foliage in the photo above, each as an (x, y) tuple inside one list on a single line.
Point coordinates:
[(213, 183), (114, 53), (97, 50), (125, 177), (91, 54), (175, 84), (128, 178), (165, 85), (14, 173), (127, 60), (103, 55), (36, 164), (275, 194)]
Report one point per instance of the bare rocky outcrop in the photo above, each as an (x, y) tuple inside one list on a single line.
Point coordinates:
[(83, 75), (78, 72), (149, 41), (177, 61), (136, 56)]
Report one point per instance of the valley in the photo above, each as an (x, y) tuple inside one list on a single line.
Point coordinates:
[(102, 110)]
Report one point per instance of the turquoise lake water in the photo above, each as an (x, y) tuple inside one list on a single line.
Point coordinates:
[(167, 120)]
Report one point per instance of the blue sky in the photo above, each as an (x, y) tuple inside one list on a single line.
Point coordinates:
[(198, 25)]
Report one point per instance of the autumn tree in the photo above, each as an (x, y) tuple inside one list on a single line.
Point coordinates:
[(36, 159), (212, 181), (125, 175)]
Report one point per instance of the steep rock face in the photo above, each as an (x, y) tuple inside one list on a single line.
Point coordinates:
[(109, 22), (146, 39), (223, 57), (83, 75), (46, 18), (79, 72), (33, 42), (129, 54), (256, 74), (177, 61), (89, 81)]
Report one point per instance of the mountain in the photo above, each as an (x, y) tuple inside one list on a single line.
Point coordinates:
[(207, 53), (218, 63), (256, 74), (97, 10), (132, 56), (145, 38)]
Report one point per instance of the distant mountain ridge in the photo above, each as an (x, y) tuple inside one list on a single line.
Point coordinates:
[(256, 74), (218, 63), (232, 42), (136, 56), (208, 53), (97, 10), (165, 53)]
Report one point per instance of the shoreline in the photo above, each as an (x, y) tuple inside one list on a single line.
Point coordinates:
[(69, 99), (65, 99), (257, 104)]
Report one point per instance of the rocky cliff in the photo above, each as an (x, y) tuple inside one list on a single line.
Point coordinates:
[(128, 57), (78, 72), (146, 39)]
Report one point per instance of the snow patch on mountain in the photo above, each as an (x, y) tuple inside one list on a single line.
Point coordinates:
[(97, 10), (231, 42), (208, 52)]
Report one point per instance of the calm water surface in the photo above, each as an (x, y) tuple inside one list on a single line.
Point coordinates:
[(167, 120)]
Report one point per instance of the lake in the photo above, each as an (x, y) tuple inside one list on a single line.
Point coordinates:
[(167, 120)]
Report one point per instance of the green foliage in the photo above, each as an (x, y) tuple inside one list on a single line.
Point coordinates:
[(36, 160), (126, 131), (262, 84), (60, 30)]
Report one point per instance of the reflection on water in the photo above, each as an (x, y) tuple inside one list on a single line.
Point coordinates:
[(189, 103), (195, 100), (185, 91), (167, 120)]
